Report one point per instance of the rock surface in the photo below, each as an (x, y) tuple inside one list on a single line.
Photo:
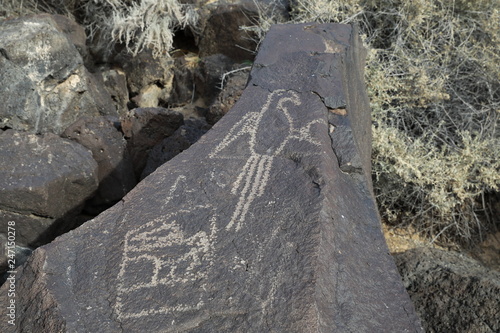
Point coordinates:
[(198, 82), (451, 292), (221, 22), (44, 182), (255, 228), (149, 79), (146, 127), (109, 150), (232, 87), (44, 175), (45, 85), (182, 139)]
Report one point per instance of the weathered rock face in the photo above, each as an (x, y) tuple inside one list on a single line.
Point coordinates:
[(233, 86), (182, 139), (199, 83), (115, 82), (146, 127), (255, 228), (109, 149), (451, 292), (220, 23), (44, 175), (149, 79), (45, 85), (44, 182)]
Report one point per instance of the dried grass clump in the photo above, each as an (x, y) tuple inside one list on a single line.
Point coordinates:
[(141, 23), (135, 23), (434, 83), (16, 8)]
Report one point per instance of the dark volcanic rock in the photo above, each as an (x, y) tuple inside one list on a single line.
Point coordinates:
[(221, 22), (109, 149), (175, 144), (149, 79), (451, 292), (233, 85), (255, 228), (44, 182), (199, 83), (146, 127), (44, 84), (44, 175), (115, 82)]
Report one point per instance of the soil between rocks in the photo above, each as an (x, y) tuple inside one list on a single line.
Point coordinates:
[(401, 239)]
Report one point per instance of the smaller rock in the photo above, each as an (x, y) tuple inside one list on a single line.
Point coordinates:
[(198, 81), (115, 82), (221, 22), (31, 230), (19, 253), (149, 79), (146, 127), (175, 144), (451, 292), (233, 86), (44, 175), (109, 149)]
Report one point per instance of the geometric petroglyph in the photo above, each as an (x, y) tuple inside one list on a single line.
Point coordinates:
[(159, 255), (264, 146)]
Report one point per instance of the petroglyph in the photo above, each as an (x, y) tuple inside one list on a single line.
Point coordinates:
[(264, 146), (171, 254)]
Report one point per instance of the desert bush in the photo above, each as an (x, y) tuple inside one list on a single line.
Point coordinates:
[(433, 79), (141, 23), (135, 23)]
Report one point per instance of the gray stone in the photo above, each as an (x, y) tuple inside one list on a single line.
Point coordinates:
[(451, 292), (254, 228), (11, 256), (198, 83), (45, 85), (31, 230), (109, 149), (44, 182)]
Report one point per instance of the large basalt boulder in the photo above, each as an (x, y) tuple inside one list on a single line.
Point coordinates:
[(45, 85), (44, 182), (451, 292), (255, 228), (44, 175)]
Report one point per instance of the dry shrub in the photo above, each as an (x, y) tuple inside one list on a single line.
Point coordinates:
[(135, 23), (434, 84), (141, 23)]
